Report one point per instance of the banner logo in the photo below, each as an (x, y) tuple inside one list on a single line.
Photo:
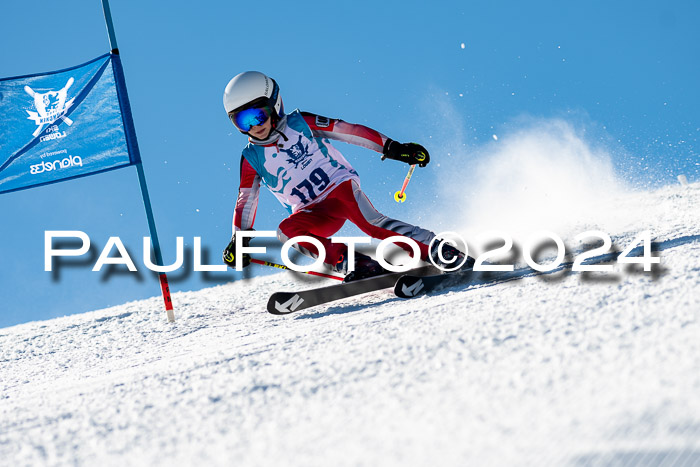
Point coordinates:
[(70, 161), (50, 106), (53, 133)]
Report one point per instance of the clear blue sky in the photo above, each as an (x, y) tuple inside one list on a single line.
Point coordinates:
[(631, 68)]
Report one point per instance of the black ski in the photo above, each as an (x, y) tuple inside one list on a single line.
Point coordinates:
[(282, 303), (411, 285)]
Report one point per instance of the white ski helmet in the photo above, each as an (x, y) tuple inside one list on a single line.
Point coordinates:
[(250, 86)]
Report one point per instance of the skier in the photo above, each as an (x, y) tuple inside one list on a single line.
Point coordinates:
[(291, 155)]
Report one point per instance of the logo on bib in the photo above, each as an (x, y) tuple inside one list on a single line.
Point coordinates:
[(298, 154)]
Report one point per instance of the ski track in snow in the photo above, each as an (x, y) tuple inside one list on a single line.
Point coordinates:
[(549, 370)]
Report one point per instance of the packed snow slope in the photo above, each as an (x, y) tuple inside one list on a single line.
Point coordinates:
[(554, 369)]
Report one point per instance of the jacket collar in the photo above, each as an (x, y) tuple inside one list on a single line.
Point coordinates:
[(274, 134)]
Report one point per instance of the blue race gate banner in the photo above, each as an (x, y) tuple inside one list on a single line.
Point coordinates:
[(65, 124)]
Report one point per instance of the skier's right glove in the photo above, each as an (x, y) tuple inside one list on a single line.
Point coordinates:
[(410, 153), (230, 253)]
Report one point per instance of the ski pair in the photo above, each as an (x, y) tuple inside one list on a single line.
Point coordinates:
[(406, 284)]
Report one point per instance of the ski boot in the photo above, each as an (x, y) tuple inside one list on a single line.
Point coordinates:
[(452, 257), (365, 267)]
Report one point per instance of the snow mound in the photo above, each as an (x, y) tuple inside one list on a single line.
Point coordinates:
[(560, 369)]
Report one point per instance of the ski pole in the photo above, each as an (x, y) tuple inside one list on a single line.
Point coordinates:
[(400, 196), (281, 266)]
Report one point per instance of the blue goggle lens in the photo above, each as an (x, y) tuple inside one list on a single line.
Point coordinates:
[(248, 118)]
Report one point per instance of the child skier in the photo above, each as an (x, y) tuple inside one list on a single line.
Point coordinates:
[(291, 155)]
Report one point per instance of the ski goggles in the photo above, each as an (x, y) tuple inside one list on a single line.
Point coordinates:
[(248, 118)]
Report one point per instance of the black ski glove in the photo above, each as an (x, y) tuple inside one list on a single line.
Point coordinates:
[(410, 153), (230, 253)]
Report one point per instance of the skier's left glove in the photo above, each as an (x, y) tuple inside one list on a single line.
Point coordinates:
[(230, 253), (410, 153)]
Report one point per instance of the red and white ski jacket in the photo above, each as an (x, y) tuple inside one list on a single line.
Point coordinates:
[(302, 167)]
